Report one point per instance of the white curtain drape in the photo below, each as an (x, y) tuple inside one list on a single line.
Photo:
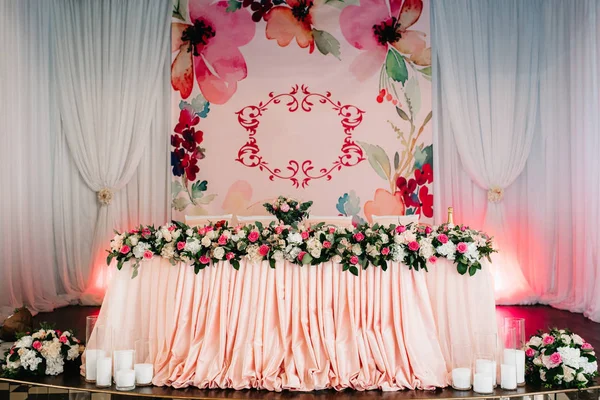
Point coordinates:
[(487, 57), (109, 64)]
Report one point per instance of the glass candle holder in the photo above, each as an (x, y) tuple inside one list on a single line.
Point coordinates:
[(91, 349), (485, 354), (515, 328), (143, 367), (508, 368), (103, 340), (461, 366), (123, 351)]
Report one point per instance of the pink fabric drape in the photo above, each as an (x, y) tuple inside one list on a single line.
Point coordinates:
[(298, 328)]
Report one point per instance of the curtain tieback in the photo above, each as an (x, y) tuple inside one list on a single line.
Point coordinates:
[(105, 196), (495, 194)]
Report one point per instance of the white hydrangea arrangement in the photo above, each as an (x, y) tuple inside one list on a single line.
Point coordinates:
[(43, 352)]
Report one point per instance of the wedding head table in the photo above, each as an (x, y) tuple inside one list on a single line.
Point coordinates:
[(271, 321)]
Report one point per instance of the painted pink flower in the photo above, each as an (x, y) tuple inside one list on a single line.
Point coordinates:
[(555, 359), (400, 229), (413, 246), (587, 347), (253, 236), (442, 238), (530, 352), (432, 260), (37, 345), (148, 255), (304, 235), (548, 339), (180, 245), (385, 251), (222, 240), (354, 260), (208, 50), (301, 255), (204, 259), (125, 249), (263, 250), (327, 244), (374, 28), (462, 247), (229, 256), (293, 20), (63, 339), (359, 236)]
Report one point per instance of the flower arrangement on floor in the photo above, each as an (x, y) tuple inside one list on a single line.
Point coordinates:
[(288, 211), (44, 352), (419, 247), (560, 359)]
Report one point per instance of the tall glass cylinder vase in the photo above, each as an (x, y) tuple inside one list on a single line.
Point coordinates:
[(103, 337), (462, 361), (143, 367), (486, 351), (91, 348), (508, 367), (518, 324)]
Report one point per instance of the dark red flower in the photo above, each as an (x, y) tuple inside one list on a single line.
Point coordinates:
[(426, 200), (407, 189), (187, 119), (176, 141), (424, 175)]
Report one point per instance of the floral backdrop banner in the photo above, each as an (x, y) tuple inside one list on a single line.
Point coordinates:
[(323, 100)]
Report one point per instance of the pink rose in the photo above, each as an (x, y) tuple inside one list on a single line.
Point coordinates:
[(428, 229), (555, 359), (58, 333), (263, 250), (37, 345), (432, 260), (202, 231), (253, 236), (413, 246), (278, 230), (327, 244), (301, 255), (222, 240), (125, 249), (530, 352), (180, 245), (12, 351), (148, 254), (204, 259), (354, 260), (443, 239), (285, 207), (359, 237), (587, 346), (463, 228), (229, 256), (146, 233), (461, 247), (171, 228), (400, 229), (385, 251), (304, 235), (548, 340), (209, 228), (298, 207), (133, 231), (63, 339)]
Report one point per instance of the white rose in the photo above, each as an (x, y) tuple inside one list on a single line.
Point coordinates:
[(219, 253), (134, 239), (266, 233), (206, 241), (535, 341), (384, 238), (189, 232), (578, 340), (356, 249), (566, 339), (278, 255), (138, 251), (193, 246), (581, 378), (543, 375), (211, 235), (399, 239), (235, 238), (167, 236), (294, 237), (538, 361), (568, 373), (176, 234), (316, 253), (336, 259), (242, 234)]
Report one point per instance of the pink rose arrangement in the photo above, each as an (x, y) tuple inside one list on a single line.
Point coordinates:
[(560, 359)]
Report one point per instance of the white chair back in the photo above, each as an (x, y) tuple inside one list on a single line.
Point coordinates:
[(396, 219), (342, 221), (250, 219), (201, 220)]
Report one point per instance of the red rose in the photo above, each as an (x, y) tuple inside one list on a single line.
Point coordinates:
[(301, 255), (202, 231), (304, 235), (400, 229), (37, 345), (204, 259), (354, 260), (332, 229), (229, 255), (171, 228), (432, 260), (63, 339), (442, 238), (462, 247), (278, 230), (253, 236), (146, 233), (148, 254), (125, 249), (209, 228), (263, 250), (385, 251), (327, 244), (359, 237), (414, 245), (180, 245), (428, 230), (222, 240)]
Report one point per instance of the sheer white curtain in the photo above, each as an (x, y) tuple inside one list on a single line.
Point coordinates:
[(27, 129), (487, 57), (109, 74)]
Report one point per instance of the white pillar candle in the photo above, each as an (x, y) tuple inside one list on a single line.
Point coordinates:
[(103, 371), (487, 367), (508, 377), (520, 359), (91, 358), (125, 379), (123, 360), (509, 357), (143, 374), (461, 378), (483, 383)]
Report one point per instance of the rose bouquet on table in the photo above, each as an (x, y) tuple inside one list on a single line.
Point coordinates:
[(44, 352), (560, 359), (287, 210)]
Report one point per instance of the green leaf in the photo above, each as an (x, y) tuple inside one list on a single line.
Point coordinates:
[(233, 6), (272, 262), (120, 264), (461, 268), (207, 199), (180, 203), (402, 114), (423, 155), (176, 188), (307, 259), (135, 271), (472, 270), (326, 43), (109, 259), (413, 95), (259, 225), (378, 159), (235, 264), (353, 270), (395, 66), (396, 161), (198, 188), (426, 71), (179, 9)]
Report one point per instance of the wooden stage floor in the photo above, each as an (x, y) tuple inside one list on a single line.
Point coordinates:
[(72, 386)]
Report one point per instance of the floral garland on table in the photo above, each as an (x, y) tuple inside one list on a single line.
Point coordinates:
[(287, 210), (419, 247), (44, 352), (560, 359)]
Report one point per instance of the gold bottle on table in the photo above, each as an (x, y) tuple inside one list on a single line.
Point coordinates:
[(450, 221)]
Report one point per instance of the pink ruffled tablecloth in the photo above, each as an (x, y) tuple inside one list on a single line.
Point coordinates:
[(298, 328)]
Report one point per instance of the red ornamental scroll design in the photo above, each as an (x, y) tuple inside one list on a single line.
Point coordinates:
[(300, 173)]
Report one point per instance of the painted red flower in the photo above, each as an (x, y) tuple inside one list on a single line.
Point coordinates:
[(208, 50), (372, 27), (293, 20), (426, 200), (424, 175), (406, 190)]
